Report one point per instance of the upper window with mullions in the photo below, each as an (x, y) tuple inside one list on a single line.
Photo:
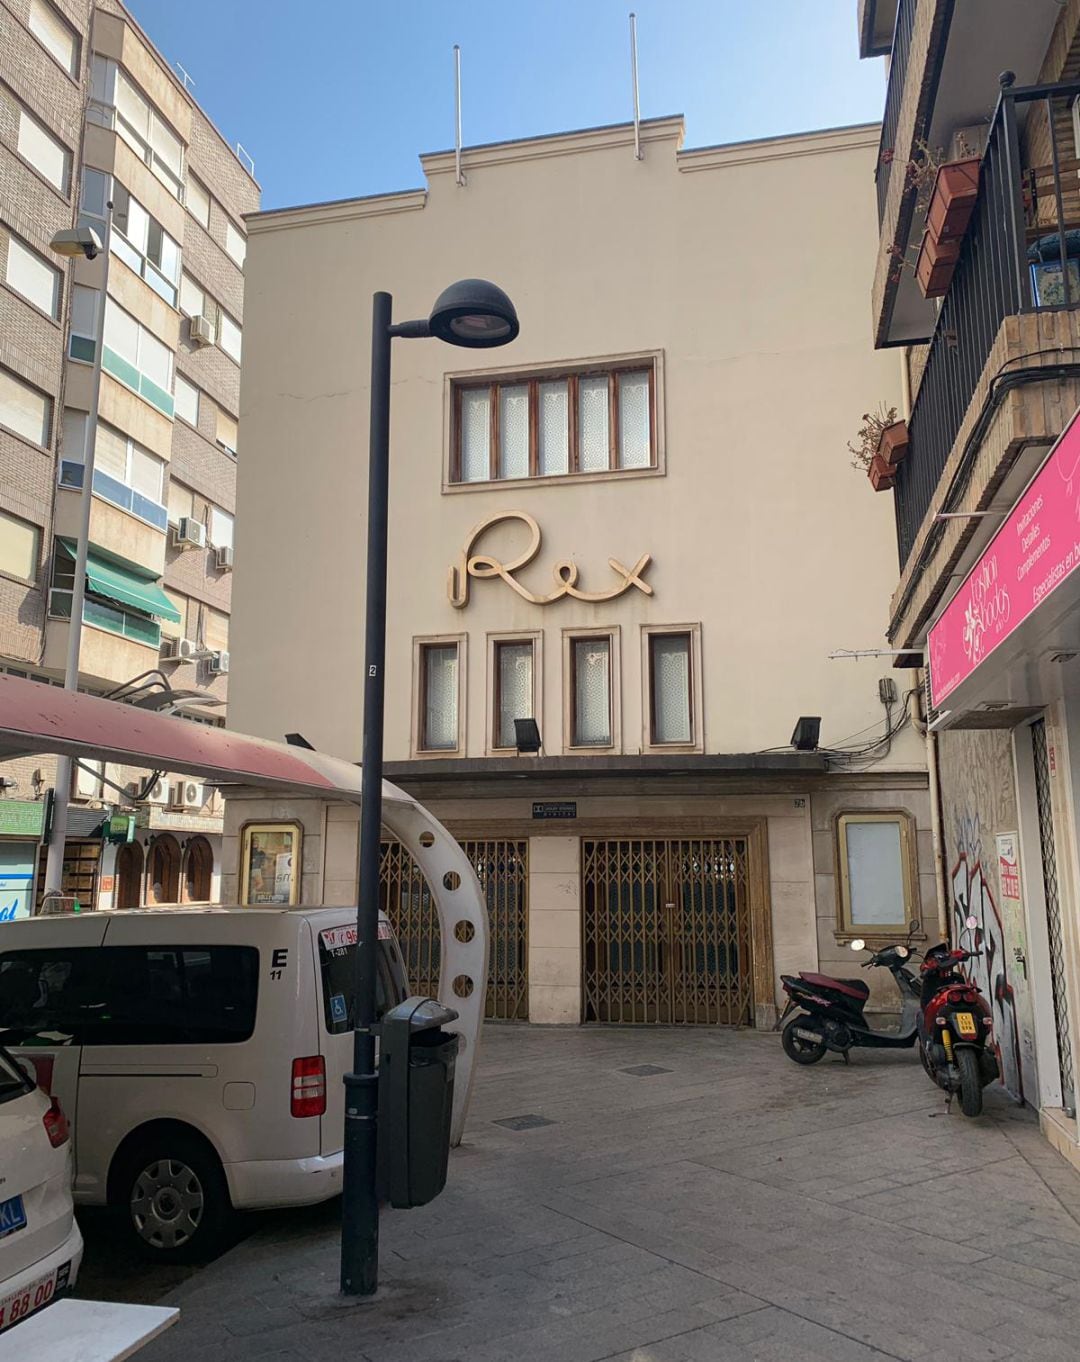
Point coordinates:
[(589, 420)]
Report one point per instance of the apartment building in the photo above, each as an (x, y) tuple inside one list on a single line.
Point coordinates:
[(91, 113), (635, 526), (977, 286)]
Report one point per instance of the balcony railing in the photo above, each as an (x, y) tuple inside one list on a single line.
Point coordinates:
[(1023, 228), (898, 64)]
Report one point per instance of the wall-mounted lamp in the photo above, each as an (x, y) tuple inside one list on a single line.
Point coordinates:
[(806, 735), (526, 736)]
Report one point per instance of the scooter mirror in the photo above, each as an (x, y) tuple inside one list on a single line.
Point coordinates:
[(913, 926), (971, 922), (858, 944)]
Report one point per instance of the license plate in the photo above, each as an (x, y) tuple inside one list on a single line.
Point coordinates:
[(19, 1304), (12, 1216), (807, 1035), (965, 1024)]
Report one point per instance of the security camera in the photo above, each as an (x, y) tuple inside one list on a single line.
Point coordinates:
[(76, 241)]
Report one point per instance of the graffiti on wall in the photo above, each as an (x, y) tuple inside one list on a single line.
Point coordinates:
[(973, 896)]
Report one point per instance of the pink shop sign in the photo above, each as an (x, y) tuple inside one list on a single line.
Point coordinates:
[(1033, 552)]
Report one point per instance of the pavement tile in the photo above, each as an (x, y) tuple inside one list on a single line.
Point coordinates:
[(734, 1209)]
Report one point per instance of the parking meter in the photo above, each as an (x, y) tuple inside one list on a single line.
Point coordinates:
[(416, 1097)]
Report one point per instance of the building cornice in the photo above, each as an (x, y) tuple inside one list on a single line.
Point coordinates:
[(671, 128), (654, 131), (336, 210), (853, 138)]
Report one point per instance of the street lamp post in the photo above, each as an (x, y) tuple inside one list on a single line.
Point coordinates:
[(75, 242), (476, 314)]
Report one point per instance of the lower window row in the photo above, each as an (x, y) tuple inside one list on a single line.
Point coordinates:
[(670, 663)]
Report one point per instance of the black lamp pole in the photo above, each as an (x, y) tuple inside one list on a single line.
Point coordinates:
[(477, 314)]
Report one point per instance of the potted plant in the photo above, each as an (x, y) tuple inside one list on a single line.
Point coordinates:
[(871, 449), (935, 265), (956, 187), (893, 442), (882, 475)]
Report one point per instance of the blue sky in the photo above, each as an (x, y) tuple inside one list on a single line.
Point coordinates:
[(348, 110)]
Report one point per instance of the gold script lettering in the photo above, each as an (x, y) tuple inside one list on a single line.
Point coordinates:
[(565, 571)]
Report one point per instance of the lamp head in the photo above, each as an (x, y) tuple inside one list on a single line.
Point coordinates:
[(526, 736), (76, 241), (474, 313)]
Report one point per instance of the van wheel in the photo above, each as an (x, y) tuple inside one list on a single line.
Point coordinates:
[(172, 1193)]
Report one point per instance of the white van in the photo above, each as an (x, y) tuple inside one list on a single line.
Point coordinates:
[(198, 1052)]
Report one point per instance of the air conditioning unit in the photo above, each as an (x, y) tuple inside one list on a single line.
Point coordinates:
[(190, 533), (225, 558), (201, 330), (219, 664), (187, 794), (179, 650), (159, 792)]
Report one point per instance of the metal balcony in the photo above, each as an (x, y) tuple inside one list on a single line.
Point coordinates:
[(1021, 254)]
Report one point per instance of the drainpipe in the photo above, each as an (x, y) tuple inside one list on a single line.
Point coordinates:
[(937, 830)]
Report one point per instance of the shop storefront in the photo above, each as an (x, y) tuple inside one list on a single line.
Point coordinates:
[(1004, 663), (21, 824)]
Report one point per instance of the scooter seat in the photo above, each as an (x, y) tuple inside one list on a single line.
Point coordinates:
[(854, 988)]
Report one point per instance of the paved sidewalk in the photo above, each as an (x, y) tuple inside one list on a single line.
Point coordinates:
[(730, 1207)]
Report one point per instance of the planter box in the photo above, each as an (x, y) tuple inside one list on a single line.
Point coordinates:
[(934, 268), (893, 444), (955, 190), (881, 474)]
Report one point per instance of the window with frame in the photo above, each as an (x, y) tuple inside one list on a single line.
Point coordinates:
[(584, 420), (192, 297), (591, 719), (118, 101), (235, 243), (25, 410), (513, 691), (221, 528), (197, 201), (671, 688), (33, 277), (20, 545), (137, 358), (437, 727), (143, 244), (186, 397), (181, 502), (55, 35), (875, 872), (229, 336), (227, 430), (98, 611), (215, 629), (48, 156), (125, 474)]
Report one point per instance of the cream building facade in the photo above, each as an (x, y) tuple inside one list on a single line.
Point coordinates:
[(636, 525)]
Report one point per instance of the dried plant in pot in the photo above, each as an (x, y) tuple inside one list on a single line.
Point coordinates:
[(866, 445)]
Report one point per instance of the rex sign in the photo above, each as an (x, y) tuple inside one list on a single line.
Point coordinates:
[(1033, 552)]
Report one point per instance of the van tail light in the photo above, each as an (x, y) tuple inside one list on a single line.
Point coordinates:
[(309, 1086), (56, 1124)]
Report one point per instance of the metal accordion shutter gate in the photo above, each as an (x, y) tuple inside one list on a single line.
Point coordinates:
[(666, 931), (1053, 914), (502, 867)]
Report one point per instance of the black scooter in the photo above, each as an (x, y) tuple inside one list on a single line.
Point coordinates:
[(832, 1009)]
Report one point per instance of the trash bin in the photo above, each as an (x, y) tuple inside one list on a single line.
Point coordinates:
[(416, 1097)]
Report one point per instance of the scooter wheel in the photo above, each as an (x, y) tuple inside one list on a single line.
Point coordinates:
[(797, 1047), (971, 1099)]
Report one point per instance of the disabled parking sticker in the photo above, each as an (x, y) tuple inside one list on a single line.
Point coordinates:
[(338, 1010)]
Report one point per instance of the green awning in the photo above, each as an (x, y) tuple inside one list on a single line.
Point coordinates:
[(126, 583)]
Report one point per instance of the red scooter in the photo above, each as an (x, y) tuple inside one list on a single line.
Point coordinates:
[(956, 1036)]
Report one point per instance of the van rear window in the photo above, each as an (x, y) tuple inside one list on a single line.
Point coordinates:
[(337, 965), (131, 995)]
